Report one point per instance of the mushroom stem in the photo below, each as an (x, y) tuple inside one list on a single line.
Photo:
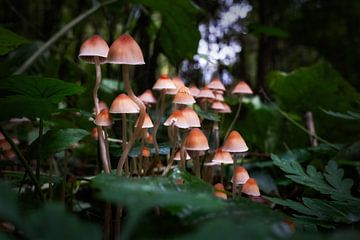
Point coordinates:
[(103, 148), (142, 114), (124, 140), (197, 165), (235, 118), (39, 159), (174, 134)]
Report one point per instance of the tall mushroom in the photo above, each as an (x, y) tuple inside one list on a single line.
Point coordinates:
[(95, 50), (125, 50)]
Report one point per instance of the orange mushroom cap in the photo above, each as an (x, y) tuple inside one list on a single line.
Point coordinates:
[(194, 90), (191, 117), (178, 157), (183, 96), (147, 97), (222, 156), (227, 108), (103, 118), (235, 143), (147, 122), (206, 93), (217, 106), (164, 82), (219, 97), (242, 88), (145, 152), (125, 50), (251, 188), (93, 47), (220, 191), (123, 104), (241, 175), (178, 84), (216, 84), (178, 119), (196, 140)]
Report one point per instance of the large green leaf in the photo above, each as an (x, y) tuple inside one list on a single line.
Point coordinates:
[(51, 89), (57, 140), (9, 41), (8, 204), (52, 222), (178, 34)]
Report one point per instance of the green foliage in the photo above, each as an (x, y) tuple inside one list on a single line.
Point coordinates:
[(258, 29), (33, 96), (178, 35), (9, 41), (349, 115), (206, 114), (57, 140)]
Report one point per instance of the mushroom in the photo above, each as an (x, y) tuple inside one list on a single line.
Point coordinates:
[(183, 96), (251, 188), (194, 90), (219, 191), (95, 50), (147, 97), (125, 50), (178, 84)]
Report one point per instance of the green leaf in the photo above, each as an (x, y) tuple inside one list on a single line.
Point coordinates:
[(53, 222), (20, 106), (349, 115), (51, 89), (178, 34), (57, 140), (9, 210), (9, 41), (259, 29), (207, 115), (331, 182)]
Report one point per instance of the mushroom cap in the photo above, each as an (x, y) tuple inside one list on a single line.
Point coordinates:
[(164, 83), (125, 50), (217, 106), (222, 156), (149, 138), (219, 191), (145, 152), (227, 108), (191, 117), (147, 122), (235, 143), (251, 188), (242, 88), (178, 158), (147, 97), (123, 104), (93, 47), (178, 119), (196, 140), (4, 145), (219, 97), (103, 118), (9, 154), (210, 164), (178, 84), (194, 90), (216, 84), (183, 96), (206, 93), (241, 175), (94, 133)]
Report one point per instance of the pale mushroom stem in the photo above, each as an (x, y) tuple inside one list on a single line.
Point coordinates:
[(103, 149), (174, 131), (142, 114), (234, 183), (124, 140), (40, 158), (236, 117), (140, 166), (197, 164), (182, 151)]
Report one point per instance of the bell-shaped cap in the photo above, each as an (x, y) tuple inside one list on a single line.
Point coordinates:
[(123, 104), (206, 93), (216, 105), (125, 50), (211, 164), (178, 157), (94, 47), (147, 97), (147, 122), (145, 152), (149, 138), (219, 97), (222, 156), (227, 108), (103, 118), (219, 191), (196, 141), (235, 143), (216, 84), (178, 84), (191, 117), (164, 82), (241, 175), (183, 96), (251, 188), (177, 119), (194, 90), (242, 88)]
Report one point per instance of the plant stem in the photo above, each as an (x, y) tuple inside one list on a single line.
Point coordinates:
[(197, 165), (235, 118), (234, 183), (39, 159), (57, 35), (174, 134), (24, 162), (124, 140), (141, 119)]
